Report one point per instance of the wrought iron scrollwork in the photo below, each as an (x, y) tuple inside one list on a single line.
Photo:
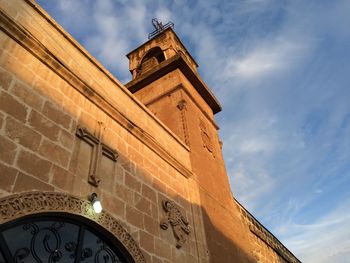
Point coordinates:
[(21, 254), (105, 255), (47, 238), (46, 242)]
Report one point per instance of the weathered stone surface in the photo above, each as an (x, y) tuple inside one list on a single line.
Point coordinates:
[(56, 115), (43, 125), (1, 120), (149, 193), (7, 177), (54, 153), (151, 225), (62, 178), (66, 139), (27, 95), (22, 134), (28, 183), (132, 182), (5, 80), (34, 165), (7, 150), (12, 107), (142, 204), (134, 217), (147, 241)]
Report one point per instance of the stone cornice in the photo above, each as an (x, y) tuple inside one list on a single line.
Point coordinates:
[(176, 62), (266, 236), (182, 87)]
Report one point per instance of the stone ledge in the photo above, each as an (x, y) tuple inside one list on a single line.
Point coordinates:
[(266, 236)]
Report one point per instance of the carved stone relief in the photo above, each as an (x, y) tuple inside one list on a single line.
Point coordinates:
[(177, 221), (19, 205), (207, 142), (98, 151), (182, 106)]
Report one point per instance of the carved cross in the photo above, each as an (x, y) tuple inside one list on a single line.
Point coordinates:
[(98, 149), (207, 142)]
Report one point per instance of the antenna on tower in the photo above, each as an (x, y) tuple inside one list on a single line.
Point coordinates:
[(159, 27)]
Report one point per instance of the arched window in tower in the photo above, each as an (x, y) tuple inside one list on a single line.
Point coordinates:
[(58, 238), (152, 58)]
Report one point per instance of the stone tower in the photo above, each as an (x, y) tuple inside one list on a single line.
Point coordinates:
[(166, 80)]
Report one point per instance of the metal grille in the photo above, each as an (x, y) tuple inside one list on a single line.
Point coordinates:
[(53, 240)]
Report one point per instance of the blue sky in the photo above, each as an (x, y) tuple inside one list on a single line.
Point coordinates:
[(281, 70)]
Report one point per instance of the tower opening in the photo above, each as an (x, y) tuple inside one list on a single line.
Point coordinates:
[(152, 58)]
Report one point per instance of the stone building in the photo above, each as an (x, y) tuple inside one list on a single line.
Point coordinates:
[(148, 150)]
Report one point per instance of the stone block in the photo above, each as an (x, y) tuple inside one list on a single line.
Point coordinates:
[(28, 183), (43, 125), (113, 205), (124, 193), (56, 115), (2, 117), (26, 94), (54, 153), (151, 225), (142, 204), (147, 241), (62, 178), (126, 163), (8, 150), (156, 260), (132, 182), (163, 249), (119, 174), (20, 133), (135, 156), (7, 177), (66, 139), (11, 63), (34, 165), (11, 106), (134, 217), (149, 193), (5, 80)]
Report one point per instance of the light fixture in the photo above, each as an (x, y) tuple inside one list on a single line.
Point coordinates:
[(96, 203)]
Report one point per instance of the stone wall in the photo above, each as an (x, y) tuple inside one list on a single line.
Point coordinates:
[(63, 118)]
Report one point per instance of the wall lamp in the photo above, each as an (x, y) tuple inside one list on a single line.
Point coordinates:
[(96, 203)]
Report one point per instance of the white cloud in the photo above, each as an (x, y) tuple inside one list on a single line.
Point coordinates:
[(266, 58), (163, 14), (326, 240)]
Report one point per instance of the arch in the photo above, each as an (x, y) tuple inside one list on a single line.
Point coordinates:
[(18, 207), (152, 58), (155, 52)]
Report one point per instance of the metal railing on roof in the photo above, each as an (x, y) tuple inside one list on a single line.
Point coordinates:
[(159, 27)]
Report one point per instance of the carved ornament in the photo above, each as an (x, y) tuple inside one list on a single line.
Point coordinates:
[(207, 142), (182, 106), (177, 221)]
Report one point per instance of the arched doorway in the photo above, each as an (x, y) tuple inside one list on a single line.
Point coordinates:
[(53, 227)]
